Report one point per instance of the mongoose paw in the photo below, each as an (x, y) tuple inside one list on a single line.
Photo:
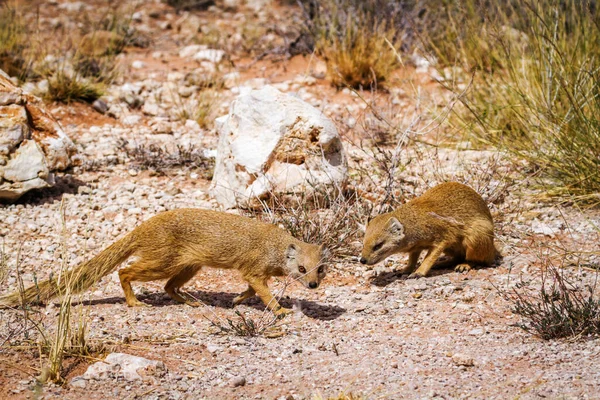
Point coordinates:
[(138, 303), (237, 300), (462, 268), (282, 312), (415, 275), (193, 303)]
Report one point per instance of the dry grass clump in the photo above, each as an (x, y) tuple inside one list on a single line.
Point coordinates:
[(73, 62), (159, 159), (68, 338), (266, 325), (199, 107), (14, 42), (351, 36), (542, 105), (559, 307), (67, 87), (332, 220)]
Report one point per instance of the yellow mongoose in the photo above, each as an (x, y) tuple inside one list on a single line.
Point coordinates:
[(176, 244), (450, 218)]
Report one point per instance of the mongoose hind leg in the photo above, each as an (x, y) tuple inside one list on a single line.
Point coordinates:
[(250, 292), (173, 286), (143, 271), (482, 253)]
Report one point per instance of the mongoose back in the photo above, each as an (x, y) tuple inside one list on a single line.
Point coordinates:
[(176, 244), (450, 218)]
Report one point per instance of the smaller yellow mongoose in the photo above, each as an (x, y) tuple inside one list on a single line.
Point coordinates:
[(450, 218), (176, 244)]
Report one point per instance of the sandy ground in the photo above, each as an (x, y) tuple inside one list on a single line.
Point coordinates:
[(367, 332)]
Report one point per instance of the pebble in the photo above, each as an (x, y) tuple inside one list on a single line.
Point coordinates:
[(238, 381), (100, 106), (463, 360)]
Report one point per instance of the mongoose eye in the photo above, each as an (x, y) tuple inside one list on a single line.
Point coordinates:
[(377, 246), (320, 270), (302, 270)]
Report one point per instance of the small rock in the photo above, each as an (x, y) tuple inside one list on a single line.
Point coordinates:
[(213, 348), (463, 360), (137, 64), (238, 381), (131, 120), (78, 382), (100, 106), (212, 55), (476, 332)]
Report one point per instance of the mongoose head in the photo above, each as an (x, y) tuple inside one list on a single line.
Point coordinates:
[(305, 263), (384, 236)]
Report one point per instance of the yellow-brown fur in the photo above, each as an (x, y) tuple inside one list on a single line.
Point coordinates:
[(450, 218), (176, 244)]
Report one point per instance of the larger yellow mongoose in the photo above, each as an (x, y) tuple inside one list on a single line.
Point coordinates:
[(450, 218), (176, 244)]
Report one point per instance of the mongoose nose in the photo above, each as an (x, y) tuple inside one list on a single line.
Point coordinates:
[(313, 285), (363, 260)]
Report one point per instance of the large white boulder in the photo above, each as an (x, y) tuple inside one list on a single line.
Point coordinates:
[(32, 143), (272, 143)]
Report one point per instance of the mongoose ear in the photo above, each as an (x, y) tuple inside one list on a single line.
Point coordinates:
[(292, 251), (395, 227)]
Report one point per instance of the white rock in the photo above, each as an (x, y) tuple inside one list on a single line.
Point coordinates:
[(541, 228), (189, 51), (212, 55), (26, 163), (132, 120), (137, 64), (121, 365), (271, 142)]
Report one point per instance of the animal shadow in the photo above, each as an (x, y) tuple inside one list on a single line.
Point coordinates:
[(441, 267), (225, 300)]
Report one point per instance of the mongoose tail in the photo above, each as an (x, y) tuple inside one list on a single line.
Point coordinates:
[(77, 279)]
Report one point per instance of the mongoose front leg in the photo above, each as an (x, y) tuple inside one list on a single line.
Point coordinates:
[(430, 259), (413, 258), (244, 295), (262, 290)]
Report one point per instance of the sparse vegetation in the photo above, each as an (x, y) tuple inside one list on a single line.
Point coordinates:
[(67, 87), (154, 157), (266, 325), (15, 45), (354, 38), (559, 307), (542, 105)]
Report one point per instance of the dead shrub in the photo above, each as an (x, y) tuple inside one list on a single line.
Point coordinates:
[(160, 160)]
